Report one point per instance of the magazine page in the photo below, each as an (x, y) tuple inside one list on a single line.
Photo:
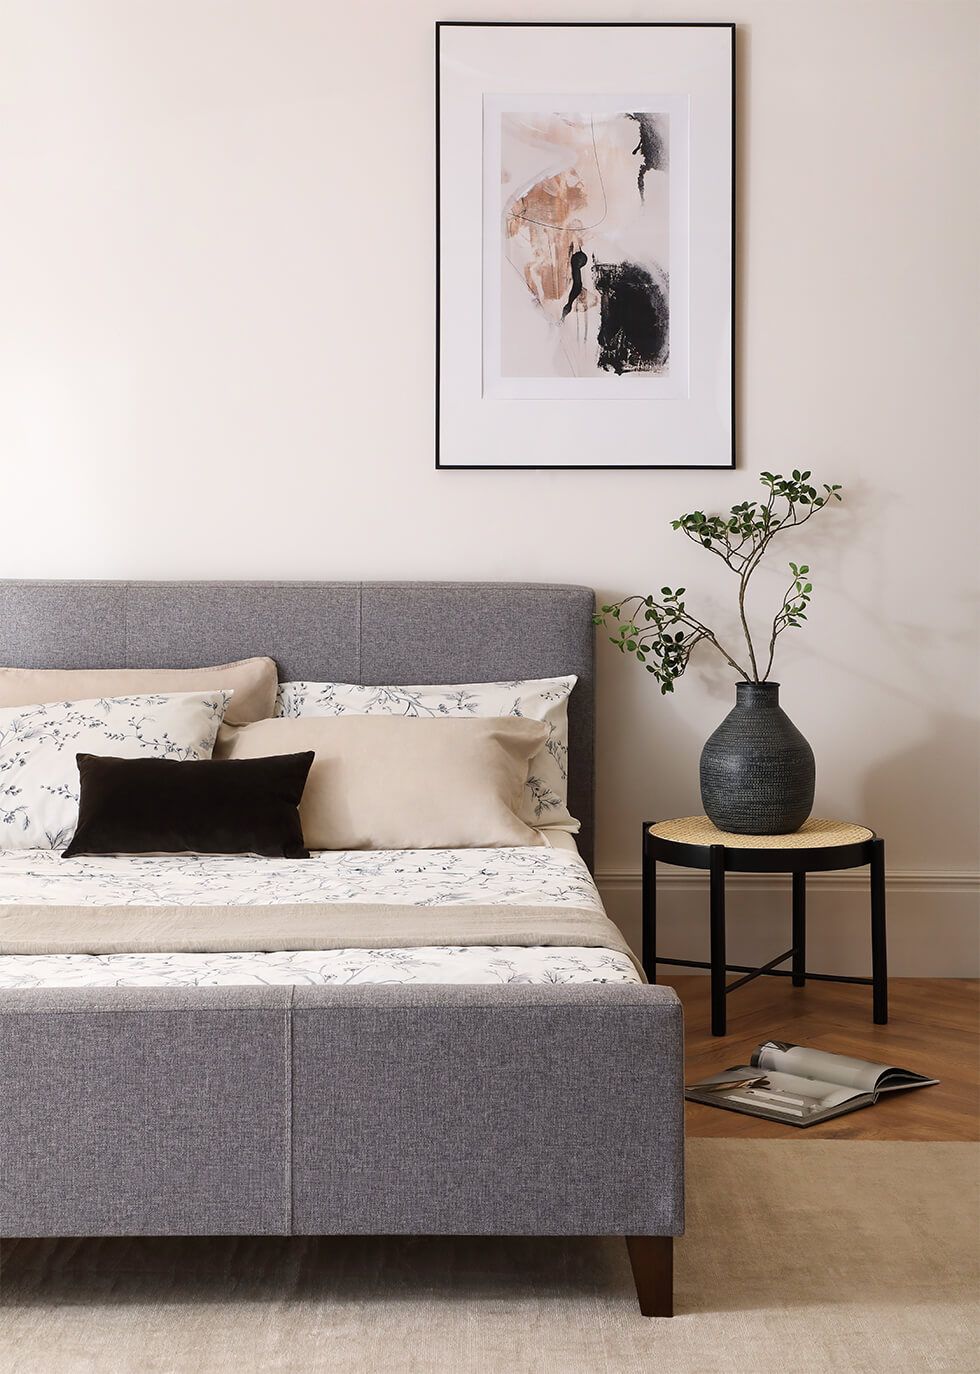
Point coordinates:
[(839, 1069), (894, 1080), (779, 1096)]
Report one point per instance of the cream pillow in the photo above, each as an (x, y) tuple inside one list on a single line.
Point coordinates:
[(388, 782), (252, 680), (544, 803)]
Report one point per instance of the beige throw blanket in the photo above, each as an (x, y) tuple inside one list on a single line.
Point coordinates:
[(334, 925)]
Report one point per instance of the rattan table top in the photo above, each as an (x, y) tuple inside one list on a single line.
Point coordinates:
[(816, 833)]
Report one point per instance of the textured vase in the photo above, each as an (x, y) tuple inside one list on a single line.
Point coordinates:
[(757, 770)]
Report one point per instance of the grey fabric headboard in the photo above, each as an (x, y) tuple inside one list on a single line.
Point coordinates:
[(369, 632)]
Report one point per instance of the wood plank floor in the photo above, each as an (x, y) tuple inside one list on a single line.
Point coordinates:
[(934, 1028)]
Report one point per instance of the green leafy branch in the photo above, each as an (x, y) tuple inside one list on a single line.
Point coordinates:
[(662, 633), (796, 598)]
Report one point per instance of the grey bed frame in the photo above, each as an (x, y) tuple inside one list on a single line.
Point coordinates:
[(504, 1110)]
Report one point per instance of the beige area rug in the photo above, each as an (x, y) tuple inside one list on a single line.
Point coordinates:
[(800, 1255)]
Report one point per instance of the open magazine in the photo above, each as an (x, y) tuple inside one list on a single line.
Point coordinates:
[(800, 1086)]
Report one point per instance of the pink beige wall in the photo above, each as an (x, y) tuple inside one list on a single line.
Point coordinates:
[(216, 353)]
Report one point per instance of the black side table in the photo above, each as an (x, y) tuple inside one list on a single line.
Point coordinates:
[(818, 846)]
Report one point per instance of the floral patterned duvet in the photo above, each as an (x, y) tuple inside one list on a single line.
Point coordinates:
[(505, 877)]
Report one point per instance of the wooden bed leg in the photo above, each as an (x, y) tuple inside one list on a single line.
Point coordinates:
[(652, 1258)]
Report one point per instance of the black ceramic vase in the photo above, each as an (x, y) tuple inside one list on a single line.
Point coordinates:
[(757, 770)]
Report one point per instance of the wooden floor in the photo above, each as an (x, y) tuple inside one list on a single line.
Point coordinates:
[(934, 1028)]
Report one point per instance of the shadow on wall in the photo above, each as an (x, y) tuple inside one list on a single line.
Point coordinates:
[(938, 772), (632, 760), (918, 774)]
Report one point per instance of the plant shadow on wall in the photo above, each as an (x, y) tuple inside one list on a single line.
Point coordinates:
[(909, 672), (757, 770)]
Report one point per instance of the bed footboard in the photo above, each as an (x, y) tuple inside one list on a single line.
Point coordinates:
[(488, 1110), (144, 1111), (508, 1110)]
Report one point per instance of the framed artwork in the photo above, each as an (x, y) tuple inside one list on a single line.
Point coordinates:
[(585, 245)]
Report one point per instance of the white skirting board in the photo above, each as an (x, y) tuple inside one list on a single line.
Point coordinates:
[(933, 920)]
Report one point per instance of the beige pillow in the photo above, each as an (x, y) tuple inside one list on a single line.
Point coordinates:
[(252, 680), (394, 782)]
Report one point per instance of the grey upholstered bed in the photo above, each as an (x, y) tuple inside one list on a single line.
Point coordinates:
[(505, 1109)]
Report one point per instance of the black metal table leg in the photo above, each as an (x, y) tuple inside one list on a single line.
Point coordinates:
[(799, 930), (879, 951), (649, 900), (717, 881)]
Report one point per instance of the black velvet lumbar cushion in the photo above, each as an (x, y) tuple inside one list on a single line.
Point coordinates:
[(206, 806)]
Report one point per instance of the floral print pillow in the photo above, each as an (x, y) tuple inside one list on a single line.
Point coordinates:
[(545, 804), (38, 744)]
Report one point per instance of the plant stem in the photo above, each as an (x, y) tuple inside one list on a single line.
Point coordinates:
[(742, 583), (737, 666), (776, 627)]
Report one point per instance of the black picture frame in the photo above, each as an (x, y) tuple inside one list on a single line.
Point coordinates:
[(442, 24)]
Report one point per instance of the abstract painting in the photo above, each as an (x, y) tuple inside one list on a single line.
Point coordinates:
[(585, 228), (585, 200)]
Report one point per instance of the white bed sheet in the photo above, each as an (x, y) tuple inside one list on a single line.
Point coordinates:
[(428, 877)]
